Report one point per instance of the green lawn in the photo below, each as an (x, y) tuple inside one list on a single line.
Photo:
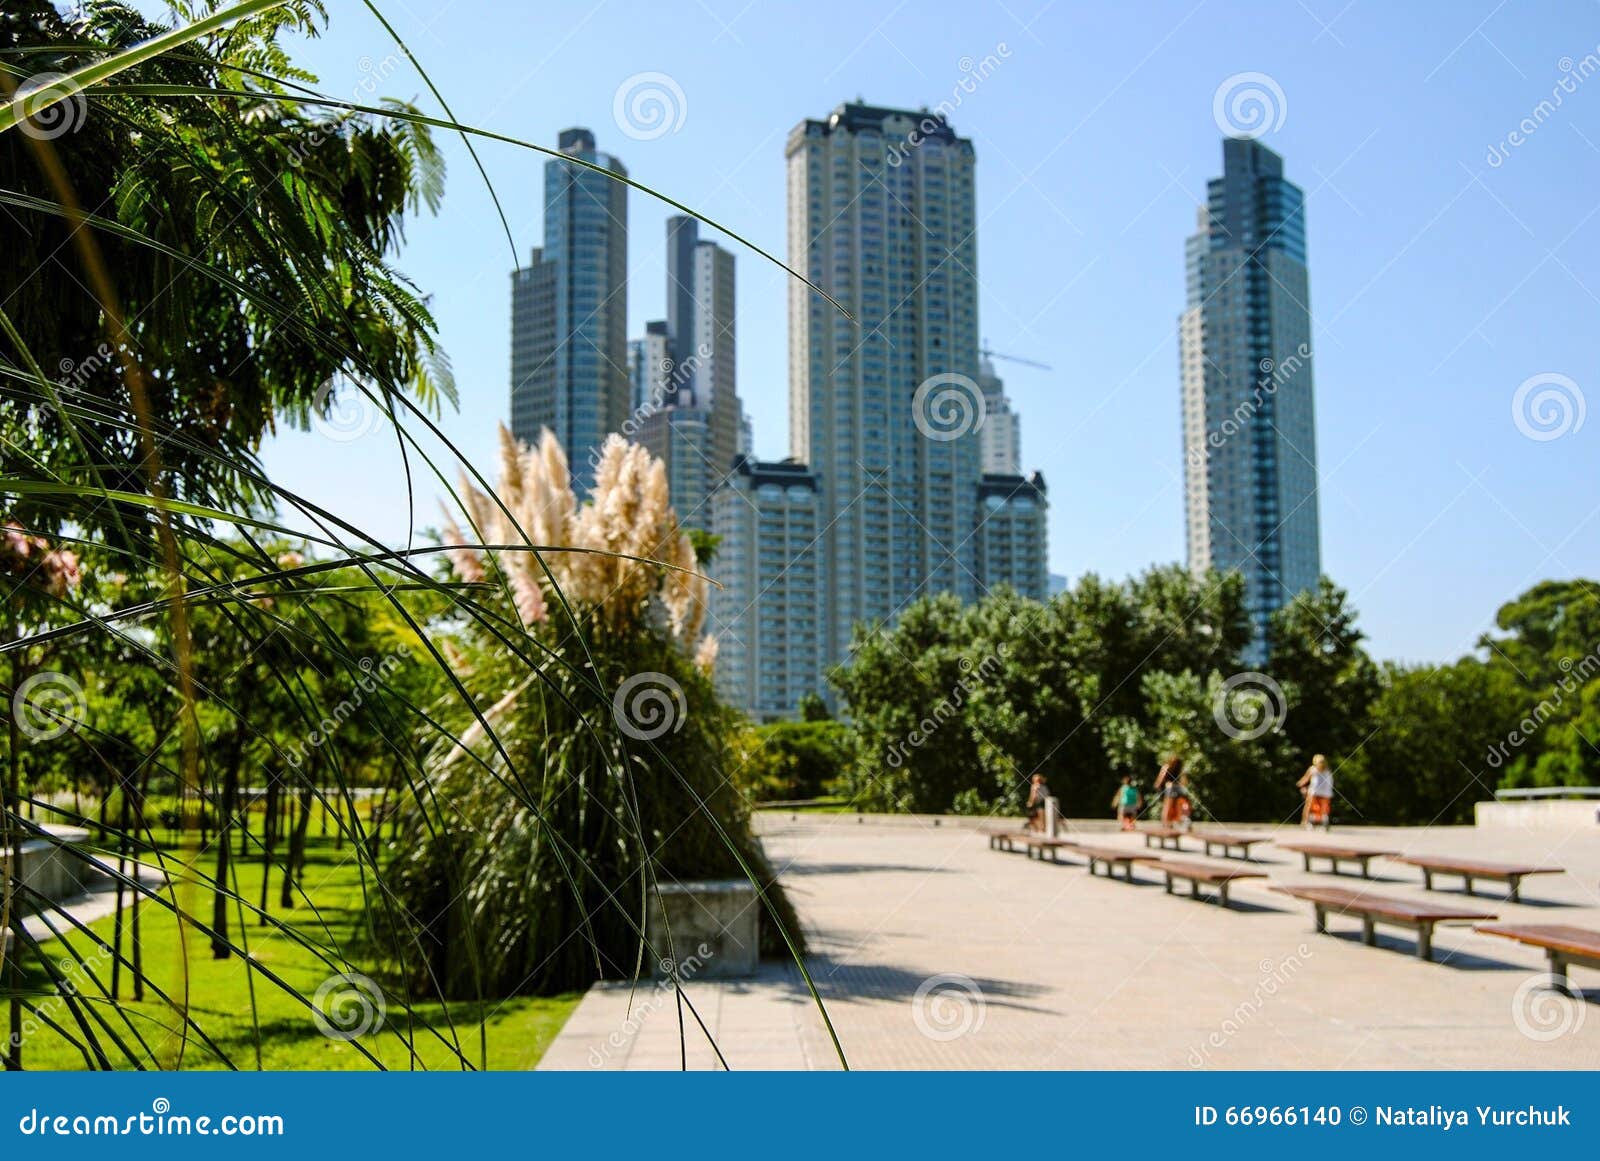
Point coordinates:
[(246, 1013)]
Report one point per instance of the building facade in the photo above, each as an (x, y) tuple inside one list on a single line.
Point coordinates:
[(697, 346), (769, 565), (649, 366), (1002, 427), (569, 346), (1011, 534), (1250, 460), (882, 216)]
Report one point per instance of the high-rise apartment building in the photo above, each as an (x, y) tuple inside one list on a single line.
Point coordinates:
[(769, 566), (1011, 533), (649, 366), (882, 216), (1249, 432), (1002, 428), (698, 375), (569, 346)]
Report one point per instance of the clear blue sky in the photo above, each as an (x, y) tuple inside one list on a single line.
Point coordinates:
[(1440, 282)]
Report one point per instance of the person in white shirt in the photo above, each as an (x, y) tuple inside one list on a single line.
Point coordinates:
[(1317, 785)]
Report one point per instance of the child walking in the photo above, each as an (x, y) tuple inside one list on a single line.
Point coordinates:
[(1127, 801)]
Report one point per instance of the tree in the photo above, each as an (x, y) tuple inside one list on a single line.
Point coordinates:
[(249, 243), (973, 699), (1549, 645), (1430, 753), (1329, 681)]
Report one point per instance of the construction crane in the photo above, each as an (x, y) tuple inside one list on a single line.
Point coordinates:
[(987, 353)]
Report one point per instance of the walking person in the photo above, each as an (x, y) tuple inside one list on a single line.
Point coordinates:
[(1174, 798), (1127, 801), (1317, 785), (1038, 791)]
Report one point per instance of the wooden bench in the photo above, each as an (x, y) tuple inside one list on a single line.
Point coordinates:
[(1220, 878), (1511, 874), (1336, 855), (1005, 838), (1564, 945), (1227, 840), (1039, 844), (1374, 909), (1111, 858), (1164, 837)]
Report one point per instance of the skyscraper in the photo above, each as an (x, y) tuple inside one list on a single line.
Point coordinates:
[(1249, 432), (692, 422), (649, 365), (569, 310), (882, 216), (1011, 534), (884, 497), (769, 567), (1002, 427)]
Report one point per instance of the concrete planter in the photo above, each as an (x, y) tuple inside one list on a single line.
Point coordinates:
[(715, 929)]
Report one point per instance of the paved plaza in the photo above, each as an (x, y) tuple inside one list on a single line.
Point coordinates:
[(931, 951)]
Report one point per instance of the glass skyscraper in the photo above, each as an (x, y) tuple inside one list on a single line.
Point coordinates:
[(1249, 432), (569, 310)]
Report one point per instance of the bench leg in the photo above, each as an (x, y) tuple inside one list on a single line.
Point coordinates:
[(1222, 894), (1425, 941), (1427, 879), (1307, 859), (1558, 971), (1194, 888), (1127, 872), (1467, 880), (1169, 884), (1366, 868), (1516, 887), (1369, 935), (1321, 920)]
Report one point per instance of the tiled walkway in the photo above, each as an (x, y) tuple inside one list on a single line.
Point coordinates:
[(931, 951)]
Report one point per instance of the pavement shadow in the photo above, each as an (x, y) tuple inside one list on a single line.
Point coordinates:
[(1443, 956), (840, 981), (802, 869)]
